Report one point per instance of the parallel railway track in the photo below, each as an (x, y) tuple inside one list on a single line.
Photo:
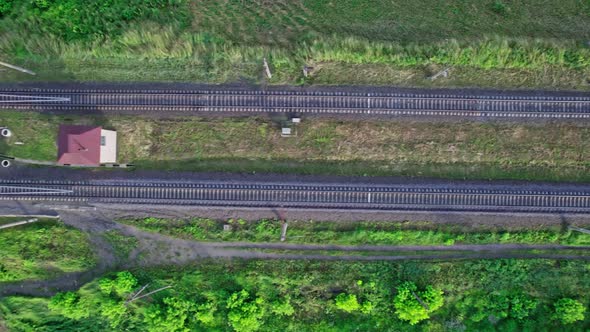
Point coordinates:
[(300, 102), (310, 195)]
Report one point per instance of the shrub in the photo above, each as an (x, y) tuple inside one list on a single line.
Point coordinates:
[(69, 305), (347, 302), (123, 284), (245, 314), (5, 6), (413, 305), (568, 311)]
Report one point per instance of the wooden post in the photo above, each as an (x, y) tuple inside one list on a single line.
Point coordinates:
[(267, 69), (284, 231)]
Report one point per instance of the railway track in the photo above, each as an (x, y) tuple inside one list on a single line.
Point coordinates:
[(299, 102), (303, 195)]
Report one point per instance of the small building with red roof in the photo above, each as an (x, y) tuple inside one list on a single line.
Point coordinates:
[(86, 146)]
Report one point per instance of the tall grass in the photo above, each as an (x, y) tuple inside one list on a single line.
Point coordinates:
[(213, 59), (487, 53)]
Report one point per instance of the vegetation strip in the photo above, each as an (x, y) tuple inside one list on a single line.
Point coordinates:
[(322, 146), (323, 295), (359, 233), (42, 250), (338, 43)]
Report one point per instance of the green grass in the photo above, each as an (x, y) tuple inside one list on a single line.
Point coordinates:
[(43, 250), (491, 43), (354, 233), (123, 245), (362, 148), (311, 288)]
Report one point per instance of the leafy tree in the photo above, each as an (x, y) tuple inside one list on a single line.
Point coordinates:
[(206, 313), (245, 314), (69, 305), (283, 308), (568, 311), (408, 300), (367, 307), (347, 302), (497, 306), (521, 306), (122, 285), (174, 316), (5, 6), (113, 311)]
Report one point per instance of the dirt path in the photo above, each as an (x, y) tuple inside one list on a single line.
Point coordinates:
[(154, 249)]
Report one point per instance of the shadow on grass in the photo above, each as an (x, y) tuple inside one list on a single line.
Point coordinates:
[(461, 171)]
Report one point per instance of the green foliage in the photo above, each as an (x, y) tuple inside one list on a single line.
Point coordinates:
[(122, 285), (283, 308), (245, 314), (347, 302), (521, 306), (38, 251), (568, 311), (206, 313), (70, 305), (175, 315), (391, 233), (497, 306), (88, 19), (114, 312), (5, 6), (122, 244), (207, 297), (499, 7), (409, 308)]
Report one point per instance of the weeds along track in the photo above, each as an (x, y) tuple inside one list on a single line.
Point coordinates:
[(303, 195), (298, 102)]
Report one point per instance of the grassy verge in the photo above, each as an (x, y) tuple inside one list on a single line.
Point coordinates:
[(42, 250), (365, 148), (493, 43), (123, 245), (480, 295), (352, 233)]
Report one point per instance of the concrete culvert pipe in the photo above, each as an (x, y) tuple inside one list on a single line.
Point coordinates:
[(5, 132), (5, 163)]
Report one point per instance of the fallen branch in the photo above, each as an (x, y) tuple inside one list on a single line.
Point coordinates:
[(18, 223), (17, 68)]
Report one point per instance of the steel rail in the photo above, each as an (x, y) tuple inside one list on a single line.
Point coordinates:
[(305, 102), (302, 196)]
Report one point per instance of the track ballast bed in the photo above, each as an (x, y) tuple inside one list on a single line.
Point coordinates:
[(297, 195), (300, 102)]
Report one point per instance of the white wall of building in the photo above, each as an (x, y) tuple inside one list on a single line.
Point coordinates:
[(108, 150)]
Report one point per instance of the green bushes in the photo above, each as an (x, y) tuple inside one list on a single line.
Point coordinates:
[(245, 313), (414, 306), (39, 251), (568, 311), (353, 233), (497, 306), (236, 295), (87, 20)]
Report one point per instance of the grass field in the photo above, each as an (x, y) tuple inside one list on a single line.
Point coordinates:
[(42, 250), (480, 295), (447, 150), (354, 233), (491, 43)]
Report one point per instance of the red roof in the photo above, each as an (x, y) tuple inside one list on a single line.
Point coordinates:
[(78, 145)]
